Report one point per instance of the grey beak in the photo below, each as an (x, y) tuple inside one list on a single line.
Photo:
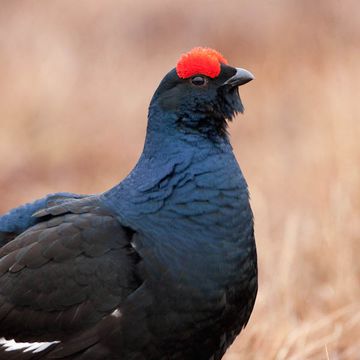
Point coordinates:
[(241, 77)]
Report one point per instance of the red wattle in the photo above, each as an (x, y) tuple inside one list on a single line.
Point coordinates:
[(204, 61)]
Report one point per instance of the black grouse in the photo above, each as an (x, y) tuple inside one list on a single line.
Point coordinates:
[(161, 266)]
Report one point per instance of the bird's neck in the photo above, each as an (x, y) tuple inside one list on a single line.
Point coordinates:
[(168, 131), (170, 157), (167, 162), (187, 195)]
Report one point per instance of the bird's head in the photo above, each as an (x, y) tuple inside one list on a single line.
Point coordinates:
[(201, 93)]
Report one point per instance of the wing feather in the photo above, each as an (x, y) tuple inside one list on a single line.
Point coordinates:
[(65, 273)]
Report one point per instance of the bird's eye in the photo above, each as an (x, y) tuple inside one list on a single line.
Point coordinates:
[(199, 80)]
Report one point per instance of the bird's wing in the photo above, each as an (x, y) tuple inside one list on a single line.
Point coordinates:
[(19, 219), (66, 273)]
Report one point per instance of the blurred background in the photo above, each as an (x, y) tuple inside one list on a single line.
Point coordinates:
[(75, 82)]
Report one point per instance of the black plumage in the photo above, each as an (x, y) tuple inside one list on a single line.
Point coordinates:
[(162, 266)]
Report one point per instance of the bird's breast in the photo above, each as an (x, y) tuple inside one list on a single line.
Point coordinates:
[(197, 225)]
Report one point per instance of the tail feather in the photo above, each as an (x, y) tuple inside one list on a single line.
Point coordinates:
[(12, 350)]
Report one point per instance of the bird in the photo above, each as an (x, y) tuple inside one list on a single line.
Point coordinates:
[(162, 265)]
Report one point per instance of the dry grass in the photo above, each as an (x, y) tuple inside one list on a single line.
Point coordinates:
[(76, 78)]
